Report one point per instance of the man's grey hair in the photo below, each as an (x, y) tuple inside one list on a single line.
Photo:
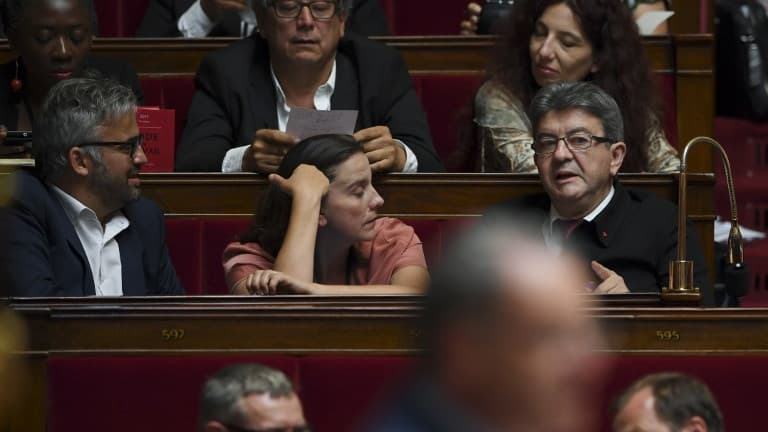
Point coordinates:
[(344, 6), (75, 112), (677, 399), (578, 95), (223, 392)]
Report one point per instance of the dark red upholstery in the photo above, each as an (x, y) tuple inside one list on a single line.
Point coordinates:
[(161, 393), (119, 18), (746, 143), (441, 17), (170, 92), (131, 394), (737, 382), (447, 100), (344, 388), (217, 234), (666, 83), (185, 245)]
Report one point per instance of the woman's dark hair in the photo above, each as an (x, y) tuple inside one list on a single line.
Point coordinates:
[(623, 70), (325, 152), (13, 10)]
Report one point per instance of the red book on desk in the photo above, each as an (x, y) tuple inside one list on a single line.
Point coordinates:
[(158, 128)]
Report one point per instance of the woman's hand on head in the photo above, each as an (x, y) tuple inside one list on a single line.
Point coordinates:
[(306, 179), (271, 282)]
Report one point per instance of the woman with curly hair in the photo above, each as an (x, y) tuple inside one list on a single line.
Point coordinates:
[(549, 41)]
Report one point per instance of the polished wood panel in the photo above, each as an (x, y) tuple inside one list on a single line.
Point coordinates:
[(422, 54), (353, 325), (412, 196)]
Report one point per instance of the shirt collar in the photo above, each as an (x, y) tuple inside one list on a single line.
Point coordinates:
[(73, 208), (554, 215), (326, 89)]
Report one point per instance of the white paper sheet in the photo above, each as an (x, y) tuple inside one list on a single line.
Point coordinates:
[(648, 22), (304, 123)]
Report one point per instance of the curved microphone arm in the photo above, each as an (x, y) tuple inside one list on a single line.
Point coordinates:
[(681, 270)]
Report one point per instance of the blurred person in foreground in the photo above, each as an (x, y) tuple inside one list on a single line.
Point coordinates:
[(250, 398), (508, 347), (627, 236), (667, 402), (77, 225)]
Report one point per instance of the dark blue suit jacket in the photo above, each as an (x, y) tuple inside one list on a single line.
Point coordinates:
[(43, 257)]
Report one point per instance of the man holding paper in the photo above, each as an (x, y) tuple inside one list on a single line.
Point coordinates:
[(301, 58)]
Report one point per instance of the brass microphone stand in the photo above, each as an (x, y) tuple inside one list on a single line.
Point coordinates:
[(681, 287)]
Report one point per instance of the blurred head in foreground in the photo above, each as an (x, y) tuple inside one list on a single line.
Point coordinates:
[(667, 402), (250, 397), (509, 347)]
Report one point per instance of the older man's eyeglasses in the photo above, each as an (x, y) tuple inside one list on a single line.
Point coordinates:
[(320, 10), (129, 146), (546, 145)]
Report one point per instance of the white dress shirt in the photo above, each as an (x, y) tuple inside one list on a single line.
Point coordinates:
[(555, 242), (99, 243), (233, 159), (194, 23)]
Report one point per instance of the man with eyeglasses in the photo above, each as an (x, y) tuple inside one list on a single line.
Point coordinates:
[(77, 226), (628, 236), (301, 57), (204, 18), (250, 398)]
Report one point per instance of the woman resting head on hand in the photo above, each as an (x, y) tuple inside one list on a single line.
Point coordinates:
[(572, 40), (317, 231)]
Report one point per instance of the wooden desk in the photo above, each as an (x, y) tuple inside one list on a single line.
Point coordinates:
[(317, 326), (451, 196)]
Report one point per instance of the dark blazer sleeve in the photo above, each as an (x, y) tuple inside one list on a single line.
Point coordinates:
[(367, 18), (161, 17), (388, 91), (160, 275), (30, 242), (208, 134)]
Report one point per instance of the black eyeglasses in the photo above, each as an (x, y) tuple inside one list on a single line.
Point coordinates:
[(320, 10), (129, 146), (545, 145), (232, 428)]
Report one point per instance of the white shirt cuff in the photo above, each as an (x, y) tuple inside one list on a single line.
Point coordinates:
[(233, 160), (194, 23), (411, 163)]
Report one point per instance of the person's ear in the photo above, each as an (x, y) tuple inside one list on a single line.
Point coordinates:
[(618, 152), (79, 161), (695, 424), (342, 23), (594, 68)]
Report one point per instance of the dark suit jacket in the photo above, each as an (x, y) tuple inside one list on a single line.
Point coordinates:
[(160, 20), (635, 236), (43, 257), (118, 70), (234, 97)]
